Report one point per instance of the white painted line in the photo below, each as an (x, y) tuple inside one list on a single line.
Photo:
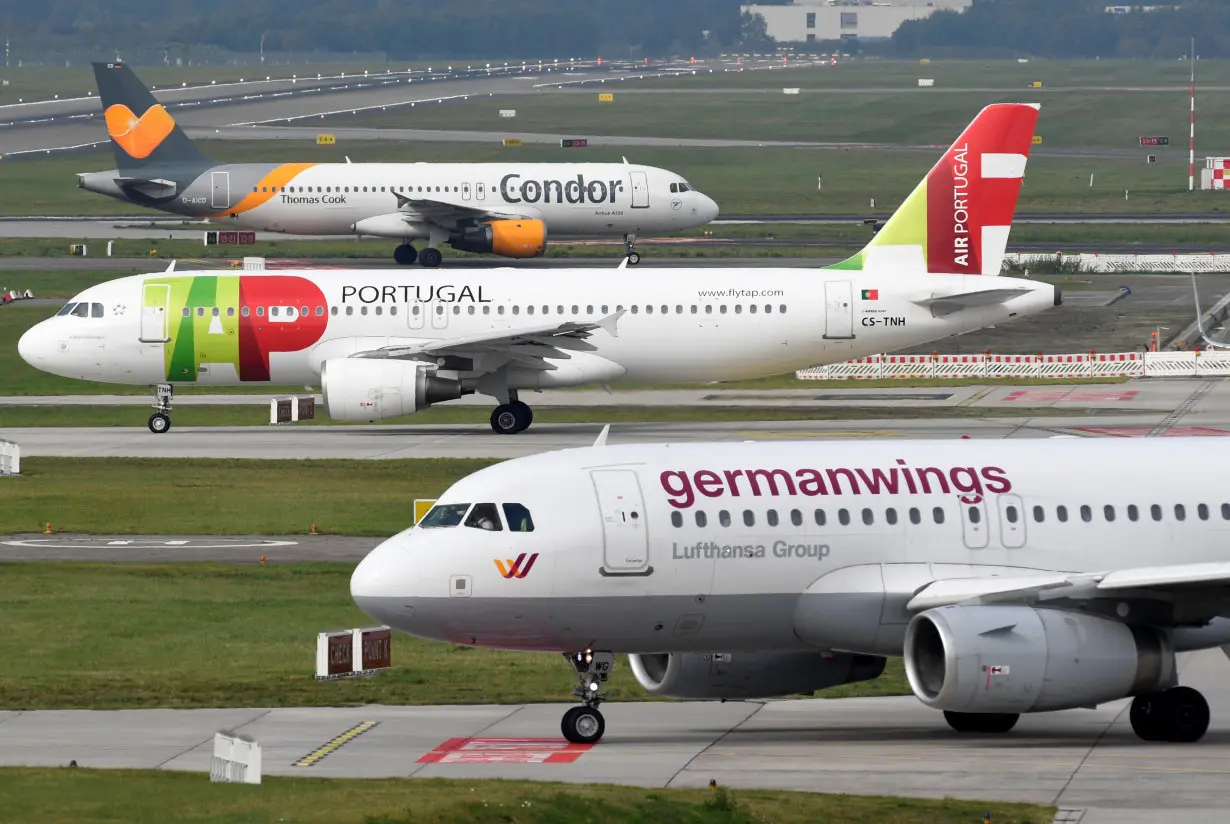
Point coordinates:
[(175, 543)]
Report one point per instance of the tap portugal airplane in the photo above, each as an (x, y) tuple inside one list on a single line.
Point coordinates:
[(382, 345), (507, 209), (1013, 576)]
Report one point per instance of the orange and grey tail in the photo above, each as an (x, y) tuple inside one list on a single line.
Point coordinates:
[(142, 131)]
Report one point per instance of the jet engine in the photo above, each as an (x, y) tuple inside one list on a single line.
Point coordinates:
[(749, 675), (1001, 659), (362, 389), (510, 238)]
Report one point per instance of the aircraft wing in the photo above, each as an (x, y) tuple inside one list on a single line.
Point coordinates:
[(948, 304), (1199, 592), (441, 213), (529, 346)]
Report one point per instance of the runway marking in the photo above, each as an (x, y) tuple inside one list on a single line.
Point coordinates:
[(505, 751), (798, 434), (94, 543), (1072, 395), (334, 744), (1143, 431)]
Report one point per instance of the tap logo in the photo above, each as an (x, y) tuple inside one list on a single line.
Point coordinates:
[(139, 136), (514, 569)]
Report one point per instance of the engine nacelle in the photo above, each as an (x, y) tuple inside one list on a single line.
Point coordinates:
[(1018, 659), (364, 389), (749, 675), (510, 238)]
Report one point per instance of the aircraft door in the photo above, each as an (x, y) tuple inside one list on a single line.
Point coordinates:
[(154, 301), (465, 191), (221, 194), (1011, 521), (439, 316), (625, 538), (640, 190), (839, 310), (416, 315), (974, 527)]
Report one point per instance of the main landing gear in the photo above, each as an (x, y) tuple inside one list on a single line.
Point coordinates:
[(1179, 715), (160, 421), (988, 722), (630, 249), (585, 724), (407, 255), (512, 417)]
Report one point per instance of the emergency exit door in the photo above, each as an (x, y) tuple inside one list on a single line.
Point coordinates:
[(640, 190), (838, 310), (154, 302), (625, 536)]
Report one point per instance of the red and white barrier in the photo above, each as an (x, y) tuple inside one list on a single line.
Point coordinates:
[(1058, 366)]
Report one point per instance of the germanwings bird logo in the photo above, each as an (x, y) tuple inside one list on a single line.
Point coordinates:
[(514, 569)]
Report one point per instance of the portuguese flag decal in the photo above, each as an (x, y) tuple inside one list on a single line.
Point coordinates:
[(871, 294)]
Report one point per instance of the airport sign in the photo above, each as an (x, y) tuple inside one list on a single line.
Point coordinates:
[(1154, 141)]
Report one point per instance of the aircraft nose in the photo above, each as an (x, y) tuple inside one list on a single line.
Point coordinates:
[(30, 345), (709, 209), (378, 587)]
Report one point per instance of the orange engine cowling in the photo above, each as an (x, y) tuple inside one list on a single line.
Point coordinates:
[(510, 238)]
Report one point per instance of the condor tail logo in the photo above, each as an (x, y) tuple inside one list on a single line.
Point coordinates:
[(518, 568), (139, 136)]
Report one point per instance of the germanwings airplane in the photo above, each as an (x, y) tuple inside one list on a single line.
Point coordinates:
[(1013, 576), (507, 209), (382, 345)]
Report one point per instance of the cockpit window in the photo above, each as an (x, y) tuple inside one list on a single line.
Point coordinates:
[(484, 516), (81, 310), (96, 310), (68, 307), (518, 517), (443, 515)]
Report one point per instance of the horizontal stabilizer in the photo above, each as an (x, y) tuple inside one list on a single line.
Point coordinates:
[(949, 304)]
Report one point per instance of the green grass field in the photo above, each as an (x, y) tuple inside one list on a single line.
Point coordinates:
[(208, 635), (63, 796)]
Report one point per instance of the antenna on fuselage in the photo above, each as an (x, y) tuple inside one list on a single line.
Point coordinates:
[(171, 268), (606, 430)]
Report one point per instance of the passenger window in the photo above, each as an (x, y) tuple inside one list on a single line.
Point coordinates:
[(701, 518), (392, 310), (843, 517), (379, 310), (724, 518), (575, 309), (635, 308), (1086, 513), (722, 308), (1010, 514), (890, 515), (772, 516), (768, 309), (677, 518), (444, 515), (1039, 514), (868, 517), (749, 518), (752, 308), (937, 515), (1108, 512), (738, 308), (362, 310), (1156, 512), (320, 311), (245, 311), (1225, 512), (485, 516), (796, 517), (96, 310), (1061, 514), (782, 308), (915, 515), (230, 311), (260, 311), (708, 308), (1133, 512), (693, 308), (678, 309), (349, 310), (273, 311), (518, 518), (821, 520), (214, 312), (975, 515), (332, 311), (1202, 511), (1180, 512)]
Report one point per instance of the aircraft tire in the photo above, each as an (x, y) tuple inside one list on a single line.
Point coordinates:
[(633, 258), (987, 722), (505, 420), (583, 725), (1179, 715), (525, 412), (159, 423), (431, 258), (405, 254)]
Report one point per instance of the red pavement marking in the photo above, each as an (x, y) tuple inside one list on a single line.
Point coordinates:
[(1073, 395), (505, 751), (1142, 431)]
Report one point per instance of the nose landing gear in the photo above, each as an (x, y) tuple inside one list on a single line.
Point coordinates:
[(585, 724), (630, 249), (160, 421)]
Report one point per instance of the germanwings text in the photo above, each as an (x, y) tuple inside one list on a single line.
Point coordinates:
[(682, 486)]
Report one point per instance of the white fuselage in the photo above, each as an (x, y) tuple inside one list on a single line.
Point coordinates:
[(784, 546), (673, 325)]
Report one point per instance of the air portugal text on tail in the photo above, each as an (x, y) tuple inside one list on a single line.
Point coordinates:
[(957, 220)]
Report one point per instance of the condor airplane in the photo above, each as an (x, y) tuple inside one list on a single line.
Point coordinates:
[(1012, 576), (507, 209), (381, 345)]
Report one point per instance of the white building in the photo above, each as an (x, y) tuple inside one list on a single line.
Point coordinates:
[(811, 20)]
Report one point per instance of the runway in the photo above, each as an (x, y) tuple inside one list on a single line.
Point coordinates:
[(1086, 761), (222, 549)]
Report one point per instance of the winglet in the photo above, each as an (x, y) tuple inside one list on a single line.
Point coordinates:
[(402, 200), (625, 161), (608, 323), (606, 430)]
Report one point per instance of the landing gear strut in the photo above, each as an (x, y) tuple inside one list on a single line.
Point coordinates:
[(1179, 714), (630, 249), (990, 722), (160, 421), (405, 254), (585, 724), (512, 417)]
